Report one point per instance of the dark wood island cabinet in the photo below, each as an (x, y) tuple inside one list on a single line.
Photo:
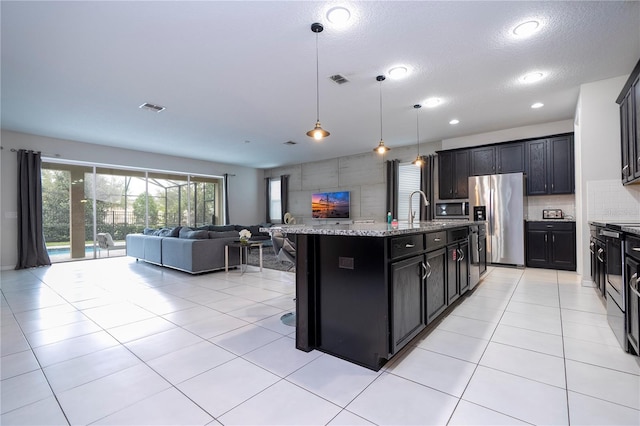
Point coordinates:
[(363, 292)]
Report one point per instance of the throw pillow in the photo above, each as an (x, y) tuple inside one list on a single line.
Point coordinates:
[(225, 234)]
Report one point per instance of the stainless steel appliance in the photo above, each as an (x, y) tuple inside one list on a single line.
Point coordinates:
[(452, 210), (632, 273), (477, 253), (618, 281), (500, 201)]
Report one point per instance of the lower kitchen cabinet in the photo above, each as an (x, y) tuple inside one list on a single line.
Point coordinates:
[(407, 302), (436, 284), (457, 264), (551, 245)]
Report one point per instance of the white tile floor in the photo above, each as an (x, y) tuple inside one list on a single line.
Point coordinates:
[(117, 342)]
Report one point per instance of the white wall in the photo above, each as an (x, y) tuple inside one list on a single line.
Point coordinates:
[(600, 194), (246, 193), (506, 135), (363, 175)]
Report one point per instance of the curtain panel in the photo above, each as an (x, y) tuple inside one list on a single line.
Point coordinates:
[(392, 187), (32, 250), (427, 186), (227, 220), (267, 199), (284, 196)]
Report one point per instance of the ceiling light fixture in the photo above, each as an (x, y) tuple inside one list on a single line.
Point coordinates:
[(317, 132), (338, 15), (432, 102), (537, 105), (398, 72), (527, 28), (381, 148), (418, 161), (454, 121), (532, 77)]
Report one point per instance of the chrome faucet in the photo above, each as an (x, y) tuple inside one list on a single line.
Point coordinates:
[(411, 213)]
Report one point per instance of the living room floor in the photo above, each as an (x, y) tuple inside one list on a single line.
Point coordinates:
[(120, 342)]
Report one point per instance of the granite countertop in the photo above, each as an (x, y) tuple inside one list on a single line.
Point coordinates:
[(370, 229), (629, 229)]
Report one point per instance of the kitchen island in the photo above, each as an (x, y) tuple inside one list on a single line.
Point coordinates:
[(363, 291)]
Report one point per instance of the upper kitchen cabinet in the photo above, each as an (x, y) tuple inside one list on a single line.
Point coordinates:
[(550, 166), (629, 100), (499, 158), (453, 174)]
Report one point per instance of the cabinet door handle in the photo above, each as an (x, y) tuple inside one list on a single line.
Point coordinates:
[(409, 245), (636, 249), (428, 272), (545, 238), (549, 226), (437, 240), (600, 251), (632, 287), (625, 170), (591, 246), (424, 271), (553, 238)]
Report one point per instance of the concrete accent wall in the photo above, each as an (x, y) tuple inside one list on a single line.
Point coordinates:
[(246, 187), (363, 175)]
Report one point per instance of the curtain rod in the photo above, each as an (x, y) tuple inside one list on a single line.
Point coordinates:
[(33, 150)]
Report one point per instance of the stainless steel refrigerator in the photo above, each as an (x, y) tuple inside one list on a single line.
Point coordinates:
[(500, 201)]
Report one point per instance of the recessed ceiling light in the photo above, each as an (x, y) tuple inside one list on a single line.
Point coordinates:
[(338, 15), (532, 77), (454, 121), (537, 105), (432, 102), (398, 72), (527, 28)]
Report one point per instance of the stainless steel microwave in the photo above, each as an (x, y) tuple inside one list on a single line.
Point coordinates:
[(458, 209)]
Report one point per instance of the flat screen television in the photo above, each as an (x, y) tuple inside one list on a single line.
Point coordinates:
[(330, 205)]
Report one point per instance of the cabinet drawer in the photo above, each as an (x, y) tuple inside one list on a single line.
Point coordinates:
[(406, 245), (436, 240), (551, 226)]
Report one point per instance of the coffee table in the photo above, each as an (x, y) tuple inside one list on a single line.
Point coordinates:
[(244, 250)]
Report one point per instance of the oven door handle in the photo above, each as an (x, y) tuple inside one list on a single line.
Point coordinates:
[(608, 233), (600, 251)]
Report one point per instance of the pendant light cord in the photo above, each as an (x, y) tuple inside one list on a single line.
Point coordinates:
[(381, 109), (418, 129), (317, 82)]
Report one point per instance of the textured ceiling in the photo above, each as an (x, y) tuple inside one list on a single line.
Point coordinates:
[(238, 78)]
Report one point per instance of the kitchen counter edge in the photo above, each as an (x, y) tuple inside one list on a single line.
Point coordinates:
[(370, 229)]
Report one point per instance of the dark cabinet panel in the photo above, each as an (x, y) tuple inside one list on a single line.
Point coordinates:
[(453, 174), (510, 158), (536, 167), (407, 300), (550, 166), (636, 146), (483, 161), (537, 249), (551, 245), (562, 165), (457, 270), (563, 249), (629, 100), (463, 269), (436, 290), (461, 174)]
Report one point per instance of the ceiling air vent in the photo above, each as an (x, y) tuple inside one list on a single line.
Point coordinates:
[(152, 107), (339, 79), (290, 143)]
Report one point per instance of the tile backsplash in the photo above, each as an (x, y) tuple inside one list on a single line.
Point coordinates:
[(609, 200), (566, 203)]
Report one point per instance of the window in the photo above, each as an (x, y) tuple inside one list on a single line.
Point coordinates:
[(275, 201), (408, 181)]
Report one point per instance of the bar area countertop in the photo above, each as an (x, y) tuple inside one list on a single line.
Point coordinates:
[(377, 229)]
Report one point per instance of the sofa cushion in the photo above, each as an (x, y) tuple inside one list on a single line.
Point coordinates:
[(221, 228), (175, 232), (184, 231), (224, 234), (148, 231), (195, 235)]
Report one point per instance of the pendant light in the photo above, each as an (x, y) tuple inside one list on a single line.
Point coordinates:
[(381, 148), (418, 161), (317, 132)]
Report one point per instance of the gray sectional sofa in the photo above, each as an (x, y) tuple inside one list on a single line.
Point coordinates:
[(190, 250)]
